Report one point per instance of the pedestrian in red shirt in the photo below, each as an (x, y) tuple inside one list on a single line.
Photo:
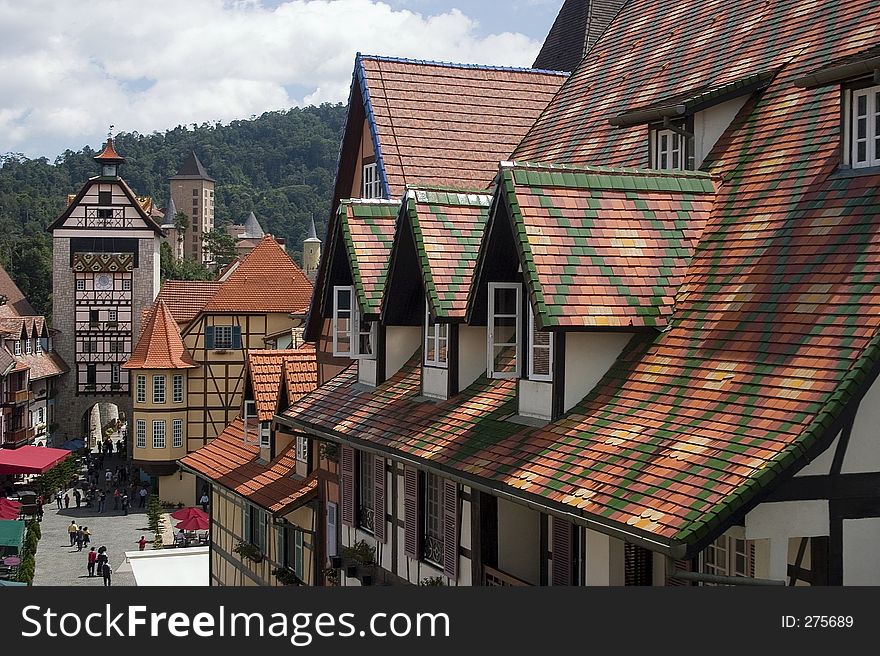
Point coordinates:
[(142, 543), (93, 556)]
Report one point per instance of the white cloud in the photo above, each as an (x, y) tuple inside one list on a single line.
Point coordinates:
[(68, 70)]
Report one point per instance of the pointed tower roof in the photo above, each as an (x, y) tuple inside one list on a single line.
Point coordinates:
[(192, 169), (170, 211), (575, 30), (252, 228), (160, 345), (313, 235), (109, 154)]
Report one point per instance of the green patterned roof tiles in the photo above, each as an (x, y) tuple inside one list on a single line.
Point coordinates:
[(368, 231)]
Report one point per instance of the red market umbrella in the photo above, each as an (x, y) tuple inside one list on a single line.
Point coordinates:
[(9, 509), (194, 524), (186, 513)]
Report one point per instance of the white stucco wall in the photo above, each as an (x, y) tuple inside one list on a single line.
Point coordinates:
[(535, 398), (821, 466), (710, 124), (798, 519), (400, 343), (367, 371), (863, 450), (587, 357), (471, 354), (861, 559), (605, 560), (519, 541), (434, 382)]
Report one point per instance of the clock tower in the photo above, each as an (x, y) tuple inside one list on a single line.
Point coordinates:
[(105, 273)]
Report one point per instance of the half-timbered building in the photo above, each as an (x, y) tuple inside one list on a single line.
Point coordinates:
[(675, 298)]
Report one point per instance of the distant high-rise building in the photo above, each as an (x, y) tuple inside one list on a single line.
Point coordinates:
[(192, 192)]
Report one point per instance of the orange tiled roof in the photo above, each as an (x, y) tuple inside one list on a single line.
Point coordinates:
[(450, 122), (160, 345), (186, 298), (301, 372), (268, 367), (232, 464), (266, 280), (109, 153)]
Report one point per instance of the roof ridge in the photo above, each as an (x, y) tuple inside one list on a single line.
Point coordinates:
[(480, 67), (607, 170)]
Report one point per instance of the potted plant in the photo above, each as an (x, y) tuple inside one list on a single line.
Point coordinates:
[(358, 556), (249, 551), (331, 576), (330, 451), (432, 581), (286, 576)]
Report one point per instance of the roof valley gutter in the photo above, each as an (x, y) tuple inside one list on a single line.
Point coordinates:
[(673, 550)]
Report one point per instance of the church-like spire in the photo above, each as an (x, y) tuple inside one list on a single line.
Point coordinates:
[(313, 234)]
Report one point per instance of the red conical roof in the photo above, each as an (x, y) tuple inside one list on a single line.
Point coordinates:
[(109, 154), (160, 345)]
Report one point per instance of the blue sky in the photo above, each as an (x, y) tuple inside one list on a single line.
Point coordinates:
[(68, 72)]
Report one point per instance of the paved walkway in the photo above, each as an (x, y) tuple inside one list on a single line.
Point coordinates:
[(60, 564)]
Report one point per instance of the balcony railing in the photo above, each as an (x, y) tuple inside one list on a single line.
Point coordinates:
[(496, 578), (366, 518), (19, 397), (20, 435)]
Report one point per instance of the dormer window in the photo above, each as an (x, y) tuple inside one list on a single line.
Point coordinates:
[(353, 336), (16, 349), (504, 321), (864, 127), (27, 347), (371, 187), (436, 341), (668, 150), (540, 351)]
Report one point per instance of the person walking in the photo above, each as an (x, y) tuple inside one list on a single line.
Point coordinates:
[(80, 536), (58, 498), (93, 557), (124, 504), (77, 496), (71, 531), (103, 562), (143, 495), (108, 476), (116, 499), (102, 501), (67, 500), (87, 536), (142, 543), (106, 571), (204, 501)]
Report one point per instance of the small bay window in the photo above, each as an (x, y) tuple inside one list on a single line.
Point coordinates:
[(504, 321)]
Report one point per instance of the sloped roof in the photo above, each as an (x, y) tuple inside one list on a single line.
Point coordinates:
[(266, 280), (45, 365), (7, 360), (453, 123), (602, 246), (575, 30), (313, 236), (160, 345), (138, 203), (192, 169), (109, 154), (776, 329), (367, 233), (15, 300), (301, 372), (269, 367), (229, 462), (447, 226), (186, 298)]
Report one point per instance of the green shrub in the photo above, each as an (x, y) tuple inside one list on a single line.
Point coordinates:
[(34, 526), (30, 542), (26, 569)]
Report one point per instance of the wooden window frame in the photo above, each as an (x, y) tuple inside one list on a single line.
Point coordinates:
[(371, 185), (433, 341), (302, 448), (548, 377), (223, 338), (354, 331), (141, 389), (657, 132), (850, 92), (176, 433), (140, 433), (177, 388), (159, 437), (432, 495), (365, 513), (159, 395), (490, 330)]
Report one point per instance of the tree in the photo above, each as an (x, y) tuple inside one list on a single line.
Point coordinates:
[(220, 246), (181, 224), (180, 269)]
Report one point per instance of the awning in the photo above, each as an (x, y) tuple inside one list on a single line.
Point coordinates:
[(186, 566), (11, 533), (30, 459)]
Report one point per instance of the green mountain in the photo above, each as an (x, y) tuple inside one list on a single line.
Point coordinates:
[(280, 166)]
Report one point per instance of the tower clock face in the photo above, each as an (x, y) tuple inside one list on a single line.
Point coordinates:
[(103, 282)]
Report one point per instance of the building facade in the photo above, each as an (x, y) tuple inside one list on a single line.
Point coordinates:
[(105, 273), (192, 192)]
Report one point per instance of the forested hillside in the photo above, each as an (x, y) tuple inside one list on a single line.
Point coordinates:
[(280, 165)]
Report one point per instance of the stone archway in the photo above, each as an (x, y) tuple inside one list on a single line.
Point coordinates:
[(104, 420)]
